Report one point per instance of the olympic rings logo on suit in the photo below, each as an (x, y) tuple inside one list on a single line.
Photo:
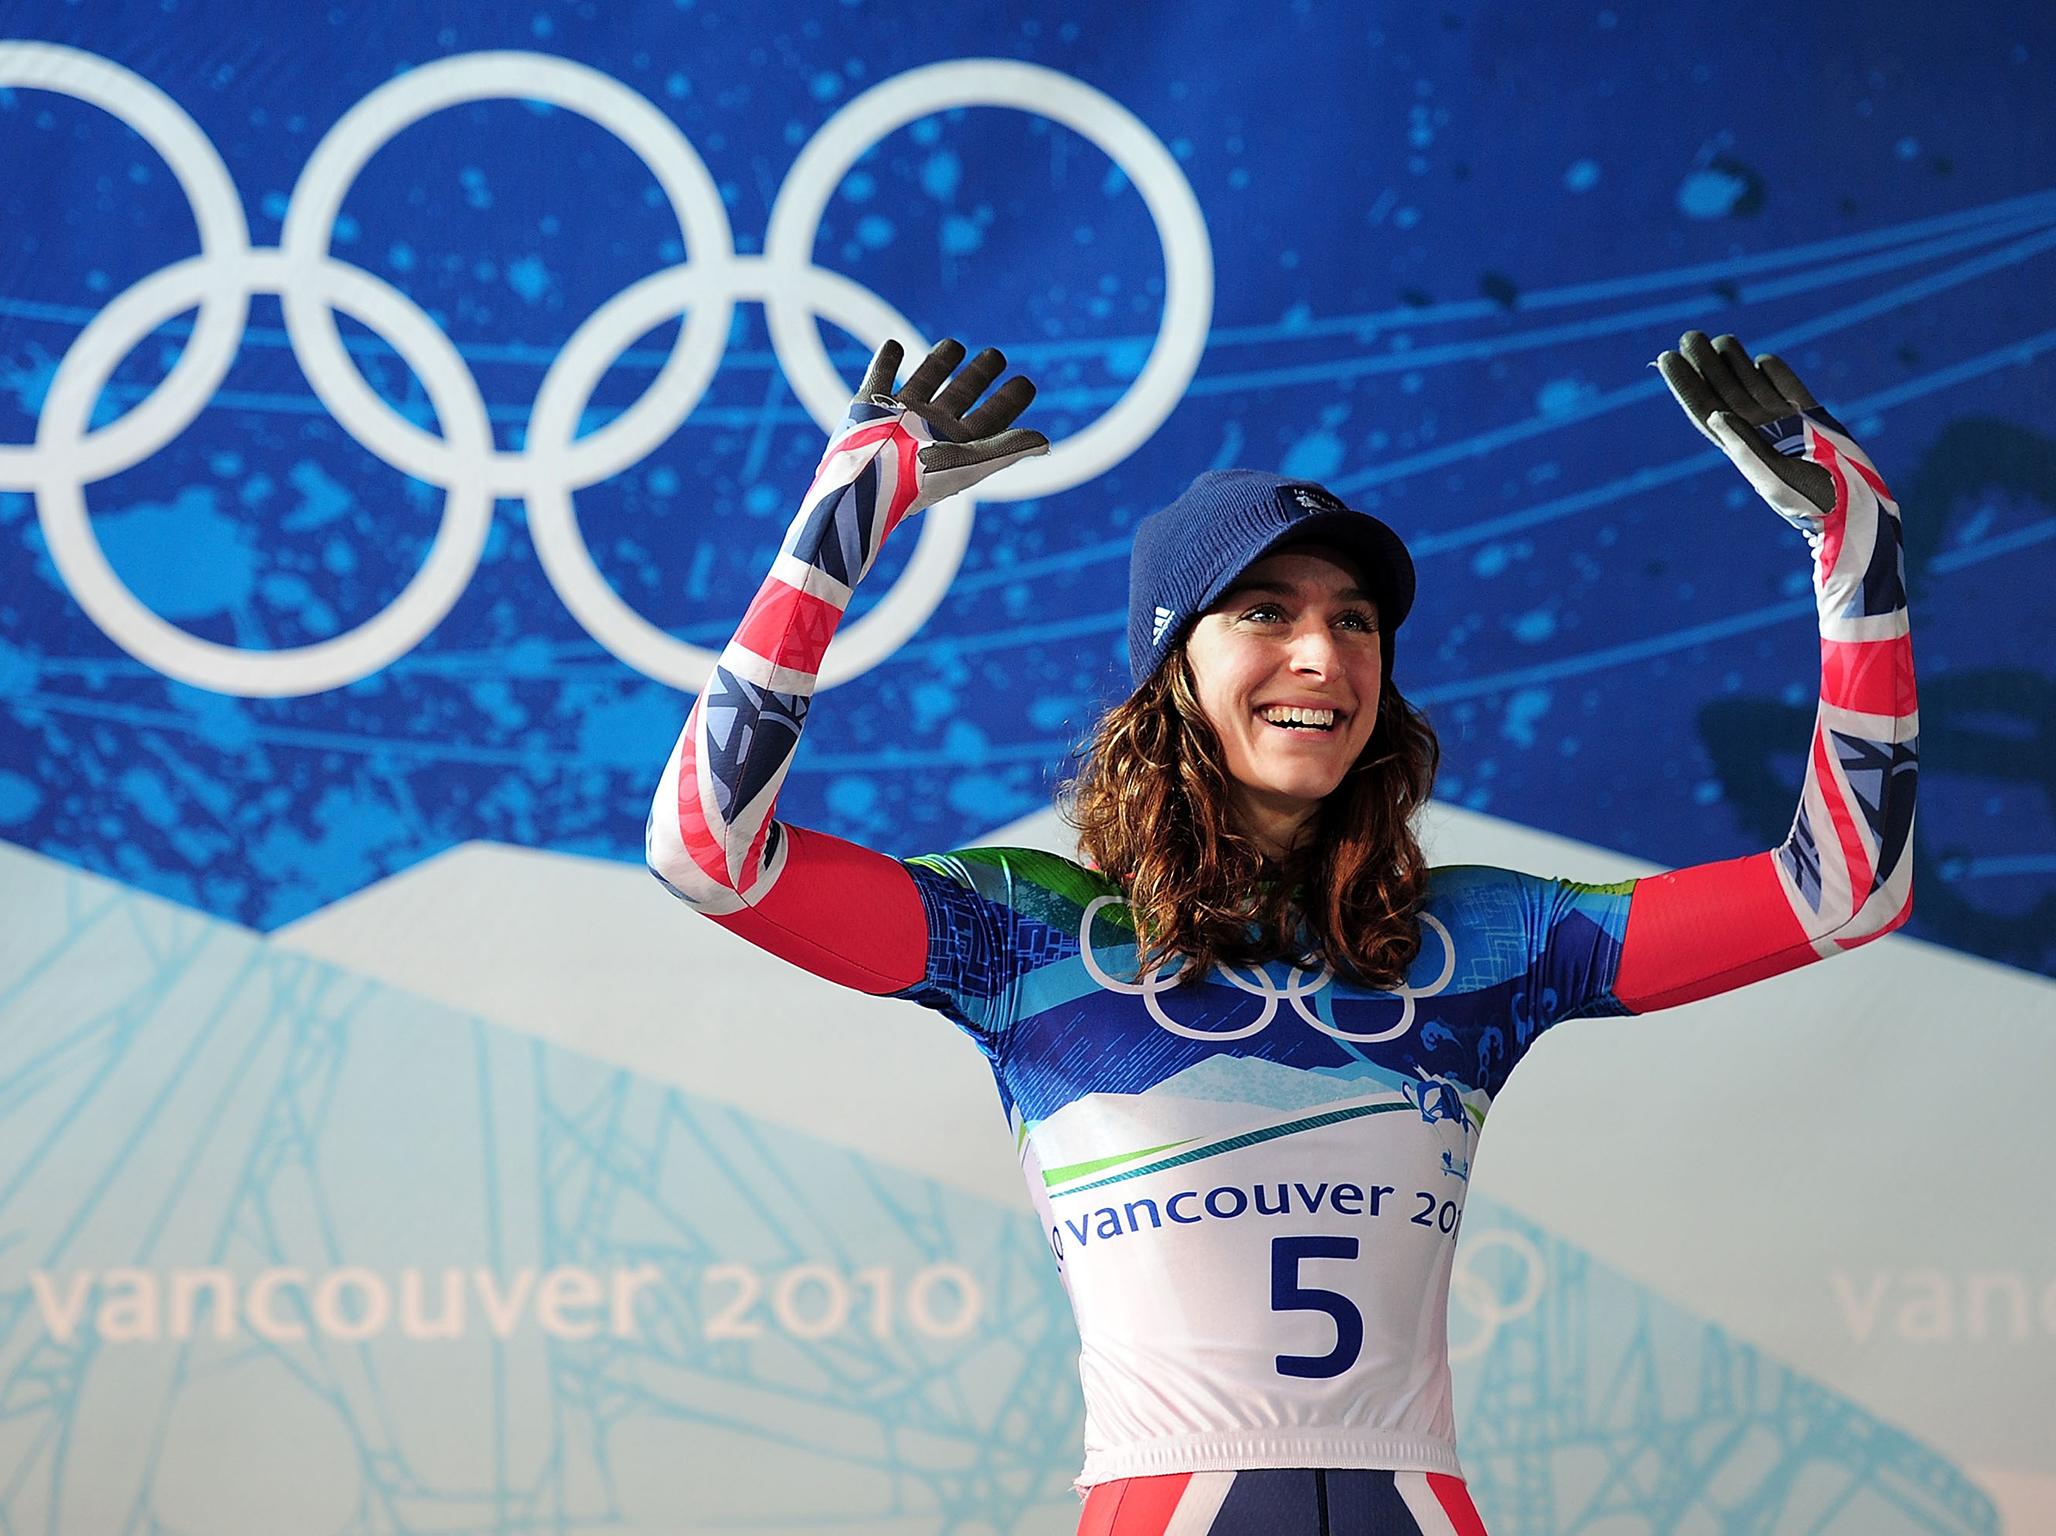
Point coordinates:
[(312, 284), (1301, 984)]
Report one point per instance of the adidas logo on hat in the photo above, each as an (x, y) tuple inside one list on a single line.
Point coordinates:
[(1163, 622)]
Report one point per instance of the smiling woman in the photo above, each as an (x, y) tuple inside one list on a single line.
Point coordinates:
[(1287, 666), (1256, 1009), (1266, 680)]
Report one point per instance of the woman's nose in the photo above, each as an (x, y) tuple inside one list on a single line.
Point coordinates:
[(1313, 650)]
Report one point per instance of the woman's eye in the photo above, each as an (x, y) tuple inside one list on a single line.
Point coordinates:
[(1358, 621), (1264, 613)]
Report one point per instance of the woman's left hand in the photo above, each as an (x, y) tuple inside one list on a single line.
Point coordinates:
[(1754, 410)]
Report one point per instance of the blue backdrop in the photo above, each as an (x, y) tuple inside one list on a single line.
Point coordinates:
[(1445, 249)]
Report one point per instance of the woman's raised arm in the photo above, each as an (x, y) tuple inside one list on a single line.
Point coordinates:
[(839, 910), (1844, 875)]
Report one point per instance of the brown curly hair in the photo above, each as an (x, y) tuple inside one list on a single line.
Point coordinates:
[(1150, 803)]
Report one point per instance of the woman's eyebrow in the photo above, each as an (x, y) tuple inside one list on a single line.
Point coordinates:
[(1285, 589)]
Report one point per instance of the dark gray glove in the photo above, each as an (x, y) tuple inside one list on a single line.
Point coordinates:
[(1755, 412), (963, 442)]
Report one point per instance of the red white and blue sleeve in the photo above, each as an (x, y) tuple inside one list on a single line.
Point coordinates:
[(1844, 875), (839, 910)]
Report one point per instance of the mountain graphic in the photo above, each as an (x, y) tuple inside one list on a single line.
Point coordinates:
[(1251, 1080), (1224, 1097)]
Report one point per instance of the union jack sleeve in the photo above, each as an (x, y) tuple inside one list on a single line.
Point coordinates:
[(1844, 874), (711, 838)]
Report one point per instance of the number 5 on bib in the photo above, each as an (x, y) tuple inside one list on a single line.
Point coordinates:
[(1288, 1295)]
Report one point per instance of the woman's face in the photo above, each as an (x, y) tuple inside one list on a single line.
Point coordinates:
[(1287, 666)]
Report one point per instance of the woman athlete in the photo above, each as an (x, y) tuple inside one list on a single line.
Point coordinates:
[(1247, 1049)]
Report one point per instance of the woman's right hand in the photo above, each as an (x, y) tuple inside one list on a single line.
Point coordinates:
[(947, 441), (711, 837)]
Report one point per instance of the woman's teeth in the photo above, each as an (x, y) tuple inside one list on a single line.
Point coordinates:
[(1294, 718)]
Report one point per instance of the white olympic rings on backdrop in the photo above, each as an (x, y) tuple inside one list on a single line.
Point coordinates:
[(554, 461), (1298, 988), (1486, 1301)]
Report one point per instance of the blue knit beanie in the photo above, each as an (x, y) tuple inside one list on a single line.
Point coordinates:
[(1190, 552)]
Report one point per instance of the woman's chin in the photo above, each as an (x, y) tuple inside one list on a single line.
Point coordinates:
[(1304, 783)]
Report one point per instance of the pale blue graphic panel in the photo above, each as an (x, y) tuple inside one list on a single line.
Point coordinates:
[(287, 1249)]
